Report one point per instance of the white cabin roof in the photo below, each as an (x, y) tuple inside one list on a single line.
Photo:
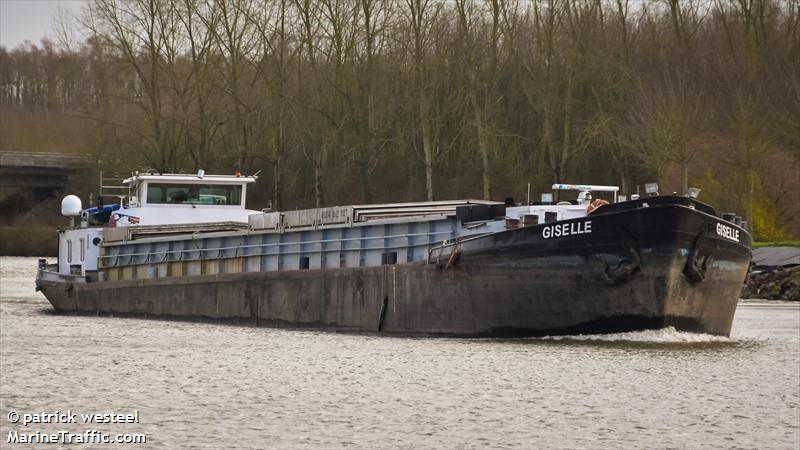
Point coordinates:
[(584, 187), (192, 178)]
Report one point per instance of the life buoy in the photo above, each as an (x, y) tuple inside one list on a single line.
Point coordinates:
[(596, 203)]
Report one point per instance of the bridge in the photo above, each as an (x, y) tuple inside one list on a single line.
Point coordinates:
[(27, 178)]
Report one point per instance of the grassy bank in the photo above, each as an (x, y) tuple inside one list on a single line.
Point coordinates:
[(777, 244), (28, 241)]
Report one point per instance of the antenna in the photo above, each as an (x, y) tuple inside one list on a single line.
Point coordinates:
[(528, 198)]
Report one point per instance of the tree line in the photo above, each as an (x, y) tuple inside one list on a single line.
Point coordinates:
[(357, 101)]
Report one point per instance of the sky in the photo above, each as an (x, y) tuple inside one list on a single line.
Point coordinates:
[(31, 19)]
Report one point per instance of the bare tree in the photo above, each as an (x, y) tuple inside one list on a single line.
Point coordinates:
[(134, 32), (236, 39)]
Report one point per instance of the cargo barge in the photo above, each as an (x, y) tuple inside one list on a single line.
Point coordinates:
[(185, 247)]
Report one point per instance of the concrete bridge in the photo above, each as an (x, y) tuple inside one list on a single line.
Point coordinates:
[(27, 178)]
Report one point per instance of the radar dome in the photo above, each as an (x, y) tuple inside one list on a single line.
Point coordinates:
[(71, 206)]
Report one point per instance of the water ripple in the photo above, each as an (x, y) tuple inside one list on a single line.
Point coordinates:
[(211, 386)]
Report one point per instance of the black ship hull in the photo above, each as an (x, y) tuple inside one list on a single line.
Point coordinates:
[(633, 267)]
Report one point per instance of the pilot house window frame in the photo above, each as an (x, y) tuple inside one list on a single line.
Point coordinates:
[(164, 193)]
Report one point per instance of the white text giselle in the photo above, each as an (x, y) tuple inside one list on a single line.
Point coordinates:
[(728, 232), (566, 229)]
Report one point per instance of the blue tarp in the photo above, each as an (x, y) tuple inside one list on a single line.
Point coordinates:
[(776, 256), (99, 215)]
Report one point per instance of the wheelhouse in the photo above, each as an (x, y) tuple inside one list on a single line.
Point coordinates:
[(176, 189)]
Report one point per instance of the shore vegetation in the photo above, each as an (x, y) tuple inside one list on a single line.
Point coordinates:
[(358, 101)]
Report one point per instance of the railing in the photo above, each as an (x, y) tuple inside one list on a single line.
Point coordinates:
[(111, 185), (456, 242)]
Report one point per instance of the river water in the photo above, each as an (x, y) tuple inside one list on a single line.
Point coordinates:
[(216, 386)]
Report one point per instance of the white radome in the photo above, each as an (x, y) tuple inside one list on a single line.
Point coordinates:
[(71, 206)]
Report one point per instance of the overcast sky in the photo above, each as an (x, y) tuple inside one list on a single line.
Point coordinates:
[(30, 19)]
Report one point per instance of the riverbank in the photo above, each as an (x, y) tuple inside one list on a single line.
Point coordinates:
[(779, 283), (794, 243), (28, 241)]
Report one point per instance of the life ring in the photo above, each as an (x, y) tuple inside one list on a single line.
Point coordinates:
[(596, 203)]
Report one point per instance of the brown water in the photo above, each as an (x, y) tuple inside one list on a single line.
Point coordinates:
[(222, 386)]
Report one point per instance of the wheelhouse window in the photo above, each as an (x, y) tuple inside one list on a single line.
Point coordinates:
[(197, 194)]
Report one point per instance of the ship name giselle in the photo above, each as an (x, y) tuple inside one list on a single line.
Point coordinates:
[(567, 229)]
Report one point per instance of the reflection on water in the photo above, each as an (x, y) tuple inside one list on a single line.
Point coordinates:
[(221, 386)]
